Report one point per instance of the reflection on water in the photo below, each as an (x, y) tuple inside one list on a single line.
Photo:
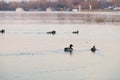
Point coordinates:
[(27, 52)]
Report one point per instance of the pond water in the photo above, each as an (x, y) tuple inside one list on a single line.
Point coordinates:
[(27, 52)]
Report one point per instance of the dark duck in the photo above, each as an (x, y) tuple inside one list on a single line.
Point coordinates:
[(2, 31), (93, 49), (75, 32), (69, 49), (51, 32)]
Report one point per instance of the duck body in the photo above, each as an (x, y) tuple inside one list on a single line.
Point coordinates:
[(75, 32), (51, 32), (69, 49), (93, 49), (2, 31)]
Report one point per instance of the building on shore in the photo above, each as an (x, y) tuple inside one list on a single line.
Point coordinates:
[(48, 9), (19, 9)]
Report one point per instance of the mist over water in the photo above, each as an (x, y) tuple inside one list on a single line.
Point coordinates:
[(27, 52)]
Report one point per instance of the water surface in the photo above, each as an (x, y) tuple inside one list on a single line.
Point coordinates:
[(28, 53)]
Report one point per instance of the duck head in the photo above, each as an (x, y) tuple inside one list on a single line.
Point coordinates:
[(71, 45)]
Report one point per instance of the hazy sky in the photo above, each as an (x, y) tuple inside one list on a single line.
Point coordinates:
[(33, 0), (22, 0), (15, 0)]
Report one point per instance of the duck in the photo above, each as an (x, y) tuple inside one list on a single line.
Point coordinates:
[(52, 32), (93, 49), (2, 31), (69, 49), (75, 32)]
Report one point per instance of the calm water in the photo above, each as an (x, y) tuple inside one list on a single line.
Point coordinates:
[(28, 53)]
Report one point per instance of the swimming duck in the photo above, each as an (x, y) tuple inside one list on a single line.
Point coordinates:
[(69, 49), (2, 31), (75, 32), (51, 32), (93, 49)]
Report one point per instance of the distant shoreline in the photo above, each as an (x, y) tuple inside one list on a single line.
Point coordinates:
[(99, 17), (78, 12), (66, 11)]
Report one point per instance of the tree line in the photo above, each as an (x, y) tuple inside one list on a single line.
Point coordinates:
[(57, 5)]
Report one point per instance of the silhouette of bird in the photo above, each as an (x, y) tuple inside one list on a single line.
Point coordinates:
[(51, 32), (69, 49), (93, 49), (75, 32), (2, 31)]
